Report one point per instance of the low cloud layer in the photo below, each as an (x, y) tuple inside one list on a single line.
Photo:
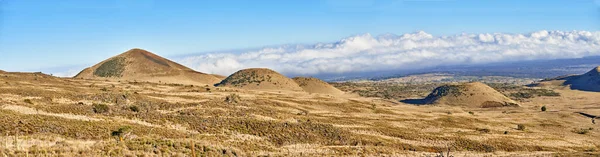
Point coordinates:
[(367, 53)]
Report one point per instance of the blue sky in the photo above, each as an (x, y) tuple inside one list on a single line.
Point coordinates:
[(36, 34)]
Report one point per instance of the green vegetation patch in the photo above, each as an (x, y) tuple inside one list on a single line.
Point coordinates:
[(245, 78), (531, 93), (111, 68), (386, 90)]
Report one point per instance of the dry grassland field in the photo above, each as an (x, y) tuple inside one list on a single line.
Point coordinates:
[(300, 78), (111, 110)]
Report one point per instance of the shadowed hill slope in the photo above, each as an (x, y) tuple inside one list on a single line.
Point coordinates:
[(315, 85), (589, 81), (141, 65), (474, 94), (259, 79)]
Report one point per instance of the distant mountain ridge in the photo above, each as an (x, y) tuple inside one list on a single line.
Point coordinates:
[(522, 69)]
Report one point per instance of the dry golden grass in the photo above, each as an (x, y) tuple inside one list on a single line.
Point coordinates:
[(315, 85), (181, 120)]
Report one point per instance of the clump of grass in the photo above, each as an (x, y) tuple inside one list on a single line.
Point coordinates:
[(28, 101), (101, 108), (582, 130), (233, 99), (483, 130), (134, 108), (521, 127), (121, 133)]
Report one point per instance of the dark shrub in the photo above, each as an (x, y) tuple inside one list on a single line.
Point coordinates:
[(100, 108), (134, 108), (28, 101), (521, 127), (543, 108), (233, 99)]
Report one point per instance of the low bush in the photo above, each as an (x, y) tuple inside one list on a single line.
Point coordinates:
[(483, 130), (233, 99), (582, 130), (543, 108), (134, 108), (521, 127), (28, 101), (101, 108)]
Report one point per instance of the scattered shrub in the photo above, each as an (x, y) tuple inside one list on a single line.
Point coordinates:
[(521, 127), (100, 108), (233, 99), (121, 133), (483, 130), (28, 101), (582, 130), (544, 108), (522, 95), (531, 93), (471, 112), (134, 108)]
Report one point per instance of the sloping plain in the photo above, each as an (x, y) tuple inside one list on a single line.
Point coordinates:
[(41, 115), (141, 65)]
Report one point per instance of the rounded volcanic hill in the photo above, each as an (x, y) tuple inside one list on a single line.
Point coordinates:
[(259, 79), (589, 81), (473, 94), (315, 85), (141, 65)]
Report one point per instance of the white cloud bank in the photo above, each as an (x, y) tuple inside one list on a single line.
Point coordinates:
[(366, 53)]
